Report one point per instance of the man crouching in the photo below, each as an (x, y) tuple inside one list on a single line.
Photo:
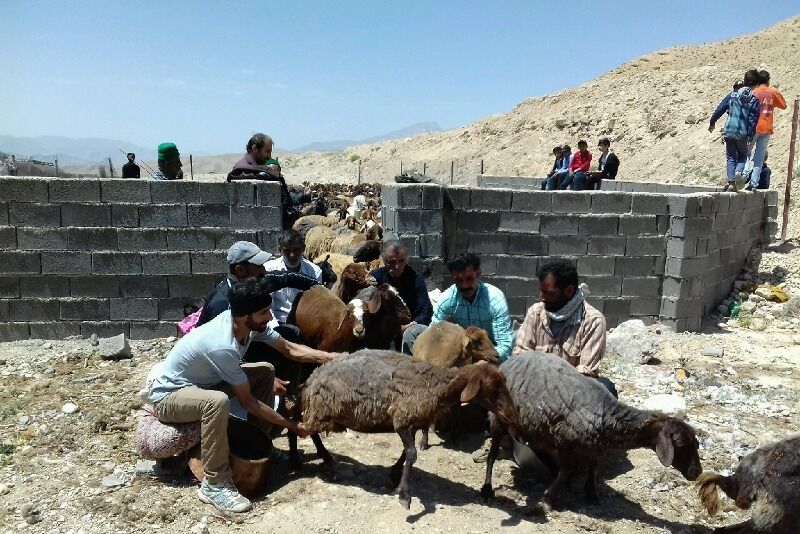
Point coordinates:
[(203, 372)]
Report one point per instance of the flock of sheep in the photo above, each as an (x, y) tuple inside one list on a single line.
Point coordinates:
[(533, 398)]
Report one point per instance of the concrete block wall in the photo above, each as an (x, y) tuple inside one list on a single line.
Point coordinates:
[(658, 256), (106, 256)]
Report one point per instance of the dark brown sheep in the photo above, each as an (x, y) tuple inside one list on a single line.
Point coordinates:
[(382, 391), (367, 251), (374, 232), (387, 314), (766, 480), (354, 278)]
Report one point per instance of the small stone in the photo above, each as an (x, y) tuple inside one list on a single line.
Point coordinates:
[(764, 292), (796, 339), (201, 527), (666, 403), (24, 420), (111, 481), (713, 352), (115, 348), (749, 306), (69, 407), (47, 346), (758, 324), (4, 489), (171, 339), (93, 340), (145, 467)]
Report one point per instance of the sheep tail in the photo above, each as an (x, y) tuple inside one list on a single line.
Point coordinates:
[(707, 488)]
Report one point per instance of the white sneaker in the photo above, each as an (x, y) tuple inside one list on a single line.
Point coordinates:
[(223, 496)]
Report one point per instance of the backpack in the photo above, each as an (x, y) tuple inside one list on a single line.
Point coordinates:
[(740, 104)]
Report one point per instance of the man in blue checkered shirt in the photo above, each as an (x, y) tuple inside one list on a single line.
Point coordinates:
[(470, 302)]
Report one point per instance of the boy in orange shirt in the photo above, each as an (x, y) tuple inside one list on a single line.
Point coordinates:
[(770, 98)]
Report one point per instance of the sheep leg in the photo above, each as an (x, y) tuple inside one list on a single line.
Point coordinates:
[(322, 452), (423, 443), (294, 454), (397, 470), (407, 435), (487, 493), (590, 488), (552, 494)]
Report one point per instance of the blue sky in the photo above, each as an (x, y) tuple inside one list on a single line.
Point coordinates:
[(208, 74)]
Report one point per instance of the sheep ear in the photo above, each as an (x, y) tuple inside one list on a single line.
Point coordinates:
[(472, 388), (374, 303), (665, 450)]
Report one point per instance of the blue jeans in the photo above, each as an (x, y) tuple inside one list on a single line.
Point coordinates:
[(736, 155), (554, 181), (567, 181), (760, 142), (579, 182)]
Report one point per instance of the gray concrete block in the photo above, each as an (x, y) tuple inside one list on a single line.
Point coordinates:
[(517, 266), (265, 239), (616, 308), (172, 309), (209, 215), (411, 242), (409, 196), (14, 262), (522, 286), (432, 196), (125, 215), (92, 239), (707, 205), (772, 198), (408, 221), (649, 204), (532, 201), (143, 286), (70, 190), (646, 246), (42, 238), (606, 245), (213, 193), (571, 202), (603, 286), (634, 266), (130, 309), (132, 191), (431, 221), (490, 199), (242, 193), (678, 247), (662, 224), (192, 286), (85, 215), (94, 286), (114, 348), (27, 214), (496, 281), (678, 308), (458, 197), (43, 286), (610, 202), (166, 263), (174, 192), (23, 189), (14, 331), (596, 266), (66, 262), (488, 243), (513, 221), (517, 306), (54, 330), (208, 263), (9, 286), (598, 225), (116, 263), (153, 329), (683, 288), (430, 245), (84, 309), (478, 221), (686, 267), (192, 239), (559, 225), (630, 225), (104, 329), (598, 303), (268, 194), (567, 245), (648, 286), (5, 311), (645, 306), (256, 217), (133, 239), (683, 205), (3, 213), (34, 310), (527, 245), (163, 215), (8, 238), (702, 246)]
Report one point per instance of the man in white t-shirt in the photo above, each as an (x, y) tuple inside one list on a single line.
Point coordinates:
[(203, 379), (292, 246)]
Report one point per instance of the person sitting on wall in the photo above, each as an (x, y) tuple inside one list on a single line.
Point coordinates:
[(131, 169), (607, 168), (564, 324), (562, 169), (578, 167), (557, 156), (470, 302), (169, 163)]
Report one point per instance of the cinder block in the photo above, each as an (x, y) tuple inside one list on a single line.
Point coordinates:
[(192, 286), (5, 311), (207, 263), (606, 245), (163, 215), (706, 205), (596, 266), (256, 217), (125, 215), (23, 189), (14, 331), (66, 263), (645, 306), (175, 192), (599, 303), (3, 213), (268, 194), (432, 196), (488, 243), (490, 199), (678, 308), (634, 266), (409, 196), (527, 245), (408, 221), (617, 308), (519, 266), (242, 193), (649, 286), (42, 215), (70, 190), (686, 267), (143, 287), (430, 245), (8, 238), (567, 245), (662, 224), (166, 263), (192, 239), (172, 309), (42, 238), (684, 288), (153, 329), (55, 330), (522, 286), (772, 198), (532, 201), (496, 281), (646, 246), (105, 328), (517, 306), (683, 205), (478, 221), (14, 262), (133, 309), (265, 239), (84, 309), (571, 202), (9, 286), (598, 225), (92, 238), (681, 248), (93, 286), (209, 215), (118, 190), (34, 310), (116, 263), (603, 286), (516, 222), (43, 286), (457, 196), (213, 193), (132, 239), (431, 221), (559, 225), (85, 215), (610, 202), (630, 225)]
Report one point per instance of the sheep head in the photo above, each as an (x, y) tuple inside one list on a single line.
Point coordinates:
[(478, 346), (328, 274), (677, 445), (375, 233), (355, 310), (483, 383), (358, 276)]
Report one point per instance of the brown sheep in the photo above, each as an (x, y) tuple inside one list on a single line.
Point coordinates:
[(383, 391), (307, 222), (347, 243), (326, 322), (387, 314), (374, 233), (318, 241), (353, 279)]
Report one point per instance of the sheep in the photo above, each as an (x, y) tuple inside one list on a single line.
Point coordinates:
[(574, 420), (387, 314), (446, 344), (383, 391), (768, 479), (368, 251), (374, 233), (325, 321), (347, 243), (307, 222), (329, 276), (353, 279), (318, 240)]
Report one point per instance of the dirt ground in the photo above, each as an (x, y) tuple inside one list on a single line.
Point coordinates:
[(77, 472)]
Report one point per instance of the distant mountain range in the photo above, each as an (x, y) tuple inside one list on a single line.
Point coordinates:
[(68, 150), (339, 145)]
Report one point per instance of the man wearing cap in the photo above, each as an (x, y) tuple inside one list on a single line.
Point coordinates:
[(561, 170), (131, 169), (203, 379), (169, 163)]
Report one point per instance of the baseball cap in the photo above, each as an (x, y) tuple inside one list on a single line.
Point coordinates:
[(245, 251)]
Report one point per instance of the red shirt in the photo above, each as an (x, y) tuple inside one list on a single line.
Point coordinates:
[(581, 161)]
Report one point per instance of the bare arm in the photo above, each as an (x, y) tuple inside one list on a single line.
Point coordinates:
[(301, 353), (262, 411)]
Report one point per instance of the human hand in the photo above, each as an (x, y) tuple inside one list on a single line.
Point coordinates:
[(299, 429), (325, 357), (279, 388)]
